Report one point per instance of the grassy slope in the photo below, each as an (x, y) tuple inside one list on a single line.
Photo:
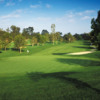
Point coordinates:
[(48, 73)]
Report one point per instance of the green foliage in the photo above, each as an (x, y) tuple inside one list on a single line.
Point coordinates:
[(38, 36), (95, 33), (25, 33), (57, 36), (14, 31), (61, 39), (2, 33), (33, 41), (52, 38), (42, 39), (69, 38), (19, 42), (44, 32), (0, 44), (47, 37), (78, 36), (85, 36), (28, 32), (5, 40), (98, 42)]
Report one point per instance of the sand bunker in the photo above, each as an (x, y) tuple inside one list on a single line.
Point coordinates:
[(81, 53)]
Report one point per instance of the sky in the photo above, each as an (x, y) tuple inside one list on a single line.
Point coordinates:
[(68, 15)]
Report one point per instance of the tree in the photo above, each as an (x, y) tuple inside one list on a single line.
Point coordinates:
[(85, 36), (14, 31), (78, 36), (46, 34), (8, 30), (0, 44), (52, 38), (27, 32), (68, 37), (19, 42), (57, 37), (95, 33), (2, 33), (38, 36), (6, 40), (61, 39), (42, 39), (53, 28), (30, 30), (33, 41)]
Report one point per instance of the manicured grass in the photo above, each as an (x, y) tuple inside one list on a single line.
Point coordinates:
[(48, 73)]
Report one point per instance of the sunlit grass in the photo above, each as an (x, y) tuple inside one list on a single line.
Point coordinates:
[(48, 73)]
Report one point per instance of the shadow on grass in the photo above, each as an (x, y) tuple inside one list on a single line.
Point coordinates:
[(6, 48), (6, 96), (83, 47), (63, 76), (82, 62), (86, 43), (14, 49), (59, 53)]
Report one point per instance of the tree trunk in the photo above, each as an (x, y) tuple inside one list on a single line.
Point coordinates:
[(37, 44), (20, 49), (99, 46), (53, 42), (69, 39), (32, 44), (5, 48)]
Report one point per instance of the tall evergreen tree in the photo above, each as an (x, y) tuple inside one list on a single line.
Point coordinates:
[(95, 33)]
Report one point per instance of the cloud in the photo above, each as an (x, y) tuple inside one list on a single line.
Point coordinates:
[(35, 6), (10, 16), (18, 11), (71, 20), (70, 15), (14, 14), (48, 6), (84, 15), (87, 12), (10, 4), (80, 13), (86, 18), (43, 19)]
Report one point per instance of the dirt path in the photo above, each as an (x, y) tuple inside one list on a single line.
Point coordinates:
[(81, 53)]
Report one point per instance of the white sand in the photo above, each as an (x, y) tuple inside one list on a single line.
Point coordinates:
[(81, 53)]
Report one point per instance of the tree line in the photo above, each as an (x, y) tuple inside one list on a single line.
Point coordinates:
[(13, 34)]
